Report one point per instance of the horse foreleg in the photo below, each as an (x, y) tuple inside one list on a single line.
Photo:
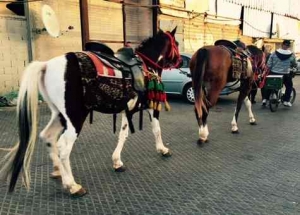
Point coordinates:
[(244, 91), (116, 156), (160, 148), (248, 105)]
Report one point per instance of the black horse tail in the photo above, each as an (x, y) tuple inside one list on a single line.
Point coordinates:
[(197, 77), (19, 157)]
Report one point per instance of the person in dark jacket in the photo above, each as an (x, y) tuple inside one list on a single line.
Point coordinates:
[(279, 63)]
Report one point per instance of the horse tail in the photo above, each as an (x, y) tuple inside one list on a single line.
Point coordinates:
[(20, 155), (197, 76)]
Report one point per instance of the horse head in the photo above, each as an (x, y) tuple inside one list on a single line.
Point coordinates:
[(161, 51), (257, 59)]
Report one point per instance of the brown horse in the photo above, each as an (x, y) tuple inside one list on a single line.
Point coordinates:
[(211, 68)]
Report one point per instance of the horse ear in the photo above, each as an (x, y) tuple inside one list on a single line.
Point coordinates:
[(174, 31), (160, 31)]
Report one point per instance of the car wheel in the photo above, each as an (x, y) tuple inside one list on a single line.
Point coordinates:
[(188, 93)]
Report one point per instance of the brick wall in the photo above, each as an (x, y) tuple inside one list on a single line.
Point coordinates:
[(13, 43), (13, 51)]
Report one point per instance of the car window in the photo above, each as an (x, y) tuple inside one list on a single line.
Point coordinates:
[(185, 62)]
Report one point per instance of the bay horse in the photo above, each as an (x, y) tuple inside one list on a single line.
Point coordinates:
[(211, 68), (68, 84)]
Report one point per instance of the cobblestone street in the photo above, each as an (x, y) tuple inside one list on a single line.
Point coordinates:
[(254, 172)]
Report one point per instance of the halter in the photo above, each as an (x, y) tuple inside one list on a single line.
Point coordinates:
[(173, 53), (260, 69)]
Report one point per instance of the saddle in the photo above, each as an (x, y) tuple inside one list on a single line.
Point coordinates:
[(124, 60), (238, 54), (235, 48)]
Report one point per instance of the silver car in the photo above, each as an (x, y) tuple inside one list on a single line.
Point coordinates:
[(176, 81)]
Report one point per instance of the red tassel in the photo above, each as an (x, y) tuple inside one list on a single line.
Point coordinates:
[(151, 95), (157, 97), (163, 97)]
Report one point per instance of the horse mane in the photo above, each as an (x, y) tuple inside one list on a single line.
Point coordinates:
[(254, 50), (158, 40)]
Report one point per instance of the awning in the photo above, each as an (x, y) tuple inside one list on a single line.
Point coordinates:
[(282, 7)]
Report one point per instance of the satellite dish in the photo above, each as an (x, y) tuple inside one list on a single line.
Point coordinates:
[(50, 21)]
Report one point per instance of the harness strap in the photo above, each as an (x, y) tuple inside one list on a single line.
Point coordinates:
[(141, 118), (114, 122), (127, 112), (91, 116)]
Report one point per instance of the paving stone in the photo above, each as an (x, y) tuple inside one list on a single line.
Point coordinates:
[(254, 172)]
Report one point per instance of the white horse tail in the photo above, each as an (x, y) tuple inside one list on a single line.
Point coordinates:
[(20, 155)]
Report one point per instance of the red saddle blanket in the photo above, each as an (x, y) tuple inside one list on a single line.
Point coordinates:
[(103, 67)]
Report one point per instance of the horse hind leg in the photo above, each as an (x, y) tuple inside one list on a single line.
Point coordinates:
[(59, 147), (203, 128), (210, 100), (50, 136), (64, 147)]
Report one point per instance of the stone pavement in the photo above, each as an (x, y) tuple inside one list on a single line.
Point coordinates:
[(254, 172)]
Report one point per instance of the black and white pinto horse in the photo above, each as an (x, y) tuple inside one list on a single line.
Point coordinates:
[(60, 82)]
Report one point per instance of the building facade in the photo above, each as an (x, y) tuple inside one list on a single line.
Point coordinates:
[(198, 23)]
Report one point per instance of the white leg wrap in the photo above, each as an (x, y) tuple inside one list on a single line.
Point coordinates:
[(116, 156), (74, 188), (203, 132), (160, 148), (249, 108), (234, 124)]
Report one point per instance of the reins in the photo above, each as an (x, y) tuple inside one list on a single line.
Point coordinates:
[(173, 53)]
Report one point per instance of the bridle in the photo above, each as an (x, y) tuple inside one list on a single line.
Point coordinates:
[(260, 70), (258, 67), (173, 53)]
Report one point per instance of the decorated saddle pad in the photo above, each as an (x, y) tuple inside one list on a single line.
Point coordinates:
[(107, 93), (239, 67)]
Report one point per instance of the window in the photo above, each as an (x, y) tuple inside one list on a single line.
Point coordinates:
[(185, 62)]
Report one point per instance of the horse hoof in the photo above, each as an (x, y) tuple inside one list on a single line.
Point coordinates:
[(120, 169), (168, 154), (56, 177), (79, 193), (253, 123), (200, 142), (235, 132)]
